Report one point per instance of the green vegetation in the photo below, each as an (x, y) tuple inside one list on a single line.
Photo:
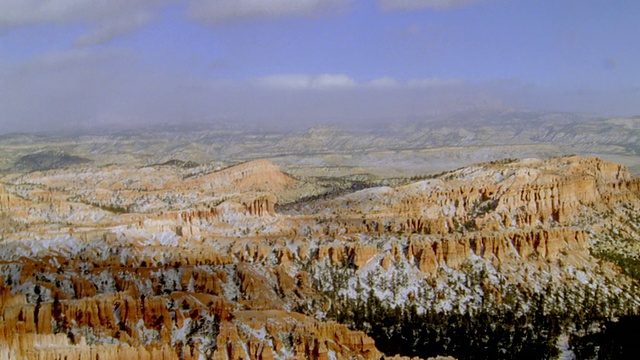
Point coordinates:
[(177, 163), (116, 209), (504, 161), (629, 265), (46, 160), (619, 245), (506, 322), (491, 333), (618, 340), (494, 331)]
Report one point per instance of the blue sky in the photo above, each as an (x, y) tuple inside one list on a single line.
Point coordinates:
[(78, 63)]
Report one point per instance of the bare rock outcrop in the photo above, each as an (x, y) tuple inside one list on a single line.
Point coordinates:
[(428, 254), (308, 338), (260, 204), (256, 175)]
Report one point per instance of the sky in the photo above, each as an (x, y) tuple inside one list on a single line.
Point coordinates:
[(78, 64)]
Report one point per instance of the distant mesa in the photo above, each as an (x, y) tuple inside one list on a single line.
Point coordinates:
[(47, 160)]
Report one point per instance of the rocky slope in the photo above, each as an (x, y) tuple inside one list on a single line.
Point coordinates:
[(190, 262)]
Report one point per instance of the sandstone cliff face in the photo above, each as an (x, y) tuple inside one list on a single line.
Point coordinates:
[(219, 274), (6, 199), (260, 205), (453, 251), (266, 334), (489, 196)]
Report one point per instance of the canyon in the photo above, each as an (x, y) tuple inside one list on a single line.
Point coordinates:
[(177, 260)]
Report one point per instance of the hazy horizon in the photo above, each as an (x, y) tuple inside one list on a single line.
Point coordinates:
[(77, 65)]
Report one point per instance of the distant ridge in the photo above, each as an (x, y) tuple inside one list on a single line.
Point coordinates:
[(47, 160)]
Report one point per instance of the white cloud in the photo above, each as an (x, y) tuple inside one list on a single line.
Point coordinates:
[(114, 13), (114, 29), (433, 82), (387, 5), (290, 81), (332, 81), (85, 88), (217, 11), (111, 18), (384, 82), (341, 81), (302, 81), (29, 12)]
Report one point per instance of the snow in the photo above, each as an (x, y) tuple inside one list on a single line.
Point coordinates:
[(166, 238), (258, 334), (564, 348), (180, 334), (332, 355), (104, 282), (582, 277), (146, 335)]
